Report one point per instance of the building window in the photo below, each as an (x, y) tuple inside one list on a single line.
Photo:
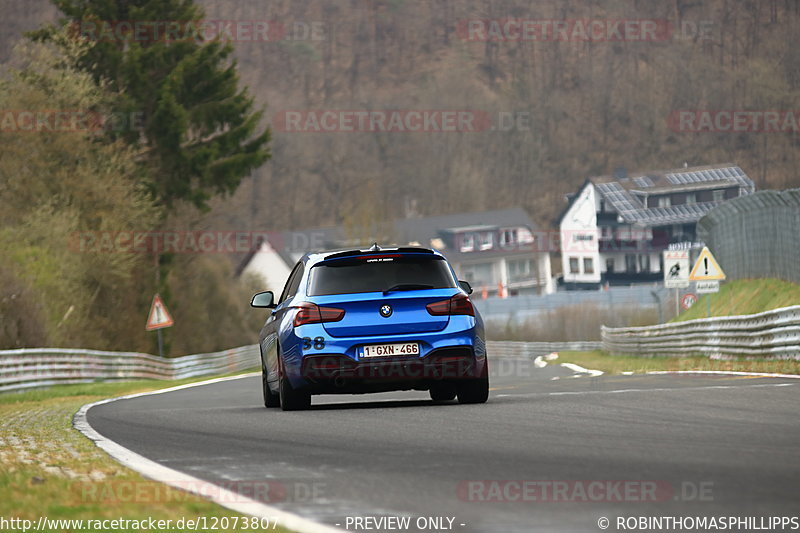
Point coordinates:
[(610, 265), (524, 236), (467, 242), (664, 201), (588, 265), (644, 263), (718, 195), (691, 199), (630, 263), (519, 269), (486, 240), (573, 265), (508, 236)]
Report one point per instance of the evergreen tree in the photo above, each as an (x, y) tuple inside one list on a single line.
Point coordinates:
[(198, 133)]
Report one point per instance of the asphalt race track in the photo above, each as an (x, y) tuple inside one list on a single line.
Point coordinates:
[(688, 445)]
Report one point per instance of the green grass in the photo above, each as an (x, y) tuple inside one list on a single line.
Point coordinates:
[(745, 297), (47, 468), (104, 390), (617, 364), (741, 297)]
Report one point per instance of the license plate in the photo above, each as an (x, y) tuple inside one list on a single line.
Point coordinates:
[(388, 350)]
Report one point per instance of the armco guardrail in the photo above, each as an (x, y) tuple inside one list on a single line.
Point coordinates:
[(515, 348), (43, 367), (32, 368), (772, 334)]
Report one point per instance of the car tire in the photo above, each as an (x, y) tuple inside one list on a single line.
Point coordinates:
[(474, 390), (443, 391), (291, 399), (270, 398)]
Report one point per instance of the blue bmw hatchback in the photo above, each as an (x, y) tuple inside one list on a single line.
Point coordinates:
[(377, 320)]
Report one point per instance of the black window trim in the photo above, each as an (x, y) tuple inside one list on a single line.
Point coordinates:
[(287, 293)]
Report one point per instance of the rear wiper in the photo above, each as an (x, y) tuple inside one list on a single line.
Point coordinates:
[(407, 287)]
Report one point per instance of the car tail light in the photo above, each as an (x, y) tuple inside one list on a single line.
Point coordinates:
[(309, 313), (459, 304)]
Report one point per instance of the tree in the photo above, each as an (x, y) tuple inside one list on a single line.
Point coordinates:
[(199, 132), (60, 191)]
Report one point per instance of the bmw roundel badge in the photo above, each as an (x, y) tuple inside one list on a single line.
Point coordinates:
[(386, 311)]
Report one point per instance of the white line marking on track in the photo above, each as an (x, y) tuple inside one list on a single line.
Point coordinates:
[(174, 478), (618, 391), (581, 370), (727, 372), (541, 360)]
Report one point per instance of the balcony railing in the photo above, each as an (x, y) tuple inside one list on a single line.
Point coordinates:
[(631, 245)]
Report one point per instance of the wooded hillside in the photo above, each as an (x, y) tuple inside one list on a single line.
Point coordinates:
[(591, 106)]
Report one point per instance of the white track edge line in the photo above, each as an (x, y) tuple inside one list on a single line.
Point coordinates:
[(727, 372), (619, 391), (185, 482)]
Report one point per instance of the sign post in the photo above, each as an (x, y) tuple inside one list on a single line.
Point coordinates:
[(707, 274), (158, 319), (676, 272)]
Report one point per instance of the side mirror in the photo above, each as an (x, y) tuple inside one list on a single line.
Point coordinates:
[(263, 299), (465, 286)]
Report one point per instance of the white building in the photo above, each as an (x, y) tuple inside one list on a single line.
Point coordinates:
[(496, 251), (615, 228)]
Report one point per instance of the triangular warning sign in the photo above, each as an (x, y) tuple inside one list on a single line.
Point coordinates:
[(159, 317), (706, 268)]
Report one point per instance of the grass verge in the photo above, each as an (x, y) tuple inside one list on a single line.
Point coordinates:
[(617, 364), (49, 469), (745, 297)]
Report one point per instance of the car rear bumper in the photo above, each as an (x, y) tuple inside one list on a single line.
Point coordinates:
[(458, 352), (331, 373)]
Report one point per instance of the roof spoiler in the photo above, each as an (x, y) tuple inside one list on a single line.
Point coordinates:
[(378, 250)]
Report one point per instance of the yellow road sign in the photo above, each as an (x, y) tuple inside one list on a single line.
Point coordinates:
[(706, 268)]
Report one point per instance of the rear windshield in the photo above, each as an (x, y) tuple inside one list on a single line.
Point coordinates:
[(347, 276)]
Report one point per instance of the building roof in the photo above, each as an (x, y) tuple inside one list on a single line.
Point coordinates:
[(424, 229), (627, 195), (292, 245)]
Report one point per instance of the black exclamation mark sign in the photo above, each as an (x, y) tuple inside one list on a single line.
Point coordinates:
[(705, 263)]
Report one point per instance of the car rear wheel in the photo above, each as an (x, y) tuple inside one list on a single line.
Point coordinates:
[(475, 390), (291, 399), (270, 398), (443, 392)]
